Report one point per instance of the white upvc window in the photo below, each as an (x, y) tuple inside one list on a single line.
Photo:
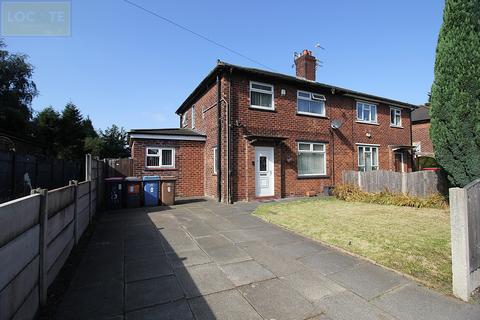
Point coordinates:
[(311, 159), (395, 117), (193, 117), (215, 156), (184, 120), (417, 146), (310, 103), (261, 96), (367, 158), (366, 112), (160, 158)]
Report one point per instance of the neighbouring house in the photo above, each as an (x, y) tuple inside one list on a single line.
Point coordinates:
[(247, 133), (421, 131)]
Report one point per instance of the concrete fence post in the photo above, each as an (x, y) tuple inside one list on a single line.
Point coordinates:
[(88, 167), (359, 173), (460, 243), (76, 234), (43, 220), (404, 182)]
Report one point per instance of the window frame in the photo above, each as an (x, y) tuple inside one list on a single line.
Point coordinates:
[(193, 117), (184, 120), (394, 109), (312, 99), (215, 155), (160, 158), (370, 105), (272, 108), (324, 152), (370, 146)]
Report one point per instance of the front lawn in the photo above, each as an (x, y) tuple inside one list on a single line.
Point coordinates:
[(413, 241)]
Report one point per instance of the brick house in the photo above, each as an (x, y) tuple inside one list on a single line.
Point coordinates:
[(421, 131), (274, 135)]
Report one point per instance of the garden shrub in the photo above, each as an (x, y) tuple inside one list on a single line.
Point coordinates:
[(352, 193)]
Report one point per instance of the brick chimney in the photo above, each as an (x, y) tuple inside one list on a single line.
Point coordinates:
[(306, 65)]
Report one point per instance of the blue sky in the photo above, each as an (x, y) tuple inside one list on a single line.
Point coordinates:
[(126, 67)]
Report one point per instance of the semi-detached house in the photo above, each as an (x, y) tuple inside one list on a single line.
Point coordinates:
[(247, 134)]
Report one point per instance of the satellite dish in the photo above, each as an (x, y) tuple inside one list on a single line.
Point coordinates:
[(336, 124)]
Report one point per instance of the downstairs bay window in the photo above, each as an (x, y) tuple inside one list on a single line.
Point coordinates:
[(367, 158), (311, 159)]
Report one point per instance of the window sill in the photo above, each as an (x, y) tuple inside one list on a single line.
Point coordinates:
[(160, 168), (261, 109), (366, 122), (394, 126), (319, 176), (313, 115)]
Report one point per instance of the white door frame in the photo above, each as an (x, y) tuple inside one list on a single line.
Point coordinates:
[(265, 180)]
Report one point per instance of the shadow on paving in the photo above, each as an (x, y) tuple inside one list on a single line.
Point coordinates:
[(131, 271)]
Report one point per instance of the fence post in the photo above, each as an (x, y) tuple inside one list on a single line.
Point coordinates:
[(404, 182), (460, 242), (76, 236), (88, 167), (43, 220), (359, 174)]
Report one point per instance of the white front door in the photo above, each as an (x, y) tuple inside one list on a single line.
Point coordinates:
[(264, 184)]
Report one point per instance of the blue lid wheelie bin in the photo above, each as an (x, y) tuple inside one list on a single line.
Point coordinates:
[(150, 190)]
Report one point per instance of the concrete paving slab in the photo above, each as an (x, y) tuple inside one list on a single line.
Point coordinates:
[(97, 301), (202, 280), (312, 285), (144, 251), (274, 300), (224, 305), (199, 229), (299, 249), (348, 306), (147, 268), (239, 236), (414, 302), (178, 310), (91, 271), (212, 242), (368, 280), (228, 254), (145, 293), (163, 220), (177, 240), (246, 272), (188, 258), (327, 263), (267, 257)]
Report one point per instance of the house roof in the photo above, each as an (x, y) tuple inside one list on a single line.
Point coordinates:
[(166, 134), (168, 131), (422, 113), (224, 66)]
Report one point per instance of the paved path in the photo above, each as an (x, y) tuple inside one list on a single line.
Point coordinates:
[(204, 260)]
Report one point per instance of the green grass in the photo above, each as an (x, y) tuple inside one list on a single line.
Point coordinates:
[(415, 241)]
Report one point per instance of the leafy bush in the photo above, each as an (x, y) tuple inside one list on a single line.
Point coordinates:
[(352, 193)]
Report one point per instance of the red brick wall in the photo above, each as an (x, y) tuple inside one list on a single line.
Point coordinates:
[(286, 123), (189, 164), (421, 133)]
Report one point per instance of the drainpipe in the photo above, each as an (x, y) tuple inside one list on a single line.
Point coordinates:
[(219, 139), (230, 141)]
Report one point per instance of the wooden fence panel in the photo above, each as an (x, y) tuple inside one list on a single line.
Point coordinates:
[(119, 167), (421, 183)]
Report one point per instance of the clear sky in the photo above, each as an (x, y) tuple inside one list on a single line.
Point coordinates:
[(124, 66)]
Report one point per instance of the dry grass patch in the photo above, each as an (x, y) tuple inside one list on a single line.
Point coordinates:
[(415, 241)]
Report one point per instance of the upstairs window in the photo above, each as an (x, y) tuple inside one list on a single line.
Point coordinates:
[(193, 117), (160, 158), (395, 117), (367, 158), (311, 159), (184, 120), (310, 103), (366, 112), (261, 96)]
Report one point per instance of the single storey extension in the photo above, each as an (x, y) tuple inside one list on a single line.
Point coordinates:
[(250, 134)]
